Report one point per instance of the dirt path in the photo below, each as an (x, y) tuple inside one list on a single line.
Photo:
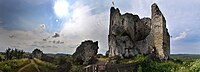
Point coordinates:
[(32, 62)]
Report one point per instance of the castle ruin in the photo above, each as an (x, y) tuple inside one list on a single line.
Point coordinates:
[(130, 35)]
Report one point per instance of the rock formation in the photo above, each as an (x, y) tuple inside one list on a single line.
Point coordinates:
[(130, 35), (37, 54), (86, 52)]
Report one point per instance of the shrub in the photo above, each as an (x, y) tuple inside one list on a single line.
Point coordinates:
[(195, 66), (152, 65)]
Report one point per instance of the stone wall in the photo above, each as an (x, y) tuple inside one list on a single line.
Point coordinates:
[(130, 35)]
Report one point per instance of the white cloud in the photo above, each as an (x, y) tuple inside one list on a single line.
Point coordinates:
[(19, 39), (28, 40), (84, 25), (182, 35)]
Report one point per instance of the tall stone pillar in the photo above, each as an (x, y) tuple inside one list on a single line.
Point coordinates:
[(161, 35)]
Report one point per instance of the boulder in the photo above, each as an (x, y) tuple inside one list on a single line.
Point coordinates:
[(86, 52)]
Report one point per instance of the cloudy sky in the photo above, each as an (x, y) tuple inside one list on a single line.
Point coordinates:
[(59, 26)]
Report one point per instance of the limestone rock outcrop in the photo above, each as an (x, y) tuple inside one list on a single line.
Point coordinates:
[(86, 52), (130, 35)]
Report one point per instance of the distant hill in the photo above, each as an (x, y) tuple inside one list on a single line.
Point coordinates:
[(185, 57)]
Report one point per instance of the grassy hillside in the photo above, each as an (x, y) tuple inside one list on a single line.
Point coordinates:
[(16, 64), (178, 63), (13, 65), (30, 68), (145, 64), (45, 66)]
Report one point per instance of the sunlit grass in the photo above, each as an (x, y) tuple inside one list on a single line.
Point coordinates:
[(30, 68), (45, 64)]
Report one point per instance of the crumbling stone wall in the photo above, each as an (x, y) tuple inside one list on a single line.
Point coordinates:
[(161, 35), (130, 35)]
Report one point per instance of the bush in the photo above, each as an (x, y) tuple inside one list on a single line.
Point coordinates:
[(195, 66), (147, 64)]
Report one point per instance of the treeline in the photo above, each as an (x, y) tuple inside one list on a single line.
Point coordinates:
[(13, 54)]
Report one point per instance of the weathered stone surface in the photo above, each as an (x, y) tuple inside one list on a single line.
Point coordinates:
[(130, 35), (125, 32), (86, 52), (161, 35)]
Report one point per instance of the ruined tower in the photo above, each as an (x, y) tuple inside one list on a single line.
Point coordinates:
[(161, 35)]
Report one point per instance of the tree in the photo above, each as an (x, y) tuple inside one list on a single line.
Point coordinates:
[(8, 53), (21, 53), (14, 53), (11, 54)]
